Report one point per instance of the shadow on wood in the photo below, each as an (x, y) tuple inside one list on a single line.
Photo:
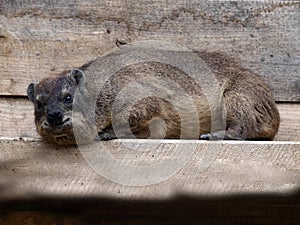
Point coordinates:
[(237, 209)]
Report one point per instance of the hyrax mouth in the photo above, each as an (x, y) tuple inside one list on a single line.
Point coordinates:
[(66, 122), (61, 138), (60, 133)]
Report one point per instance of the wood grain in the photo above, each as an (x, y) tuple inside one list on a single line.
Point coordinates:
[(30, 169), (290, 122), (41, 38), (17, 120)]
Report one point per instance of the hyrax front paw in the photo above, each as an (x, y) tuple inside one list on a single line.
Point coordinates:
[(106, 135)]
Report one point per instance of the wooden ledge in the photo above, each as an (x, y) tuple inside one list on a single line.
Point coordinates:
[(36, 169)]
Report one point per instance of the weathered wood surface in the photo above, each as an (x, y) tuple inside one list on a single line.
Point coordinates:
[(40, 37), (17, 120), (35, 169), (289, 129)]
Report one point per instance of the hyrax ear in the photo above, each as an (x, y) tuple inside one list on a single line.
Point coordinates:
[(30, 91), (77, 76)]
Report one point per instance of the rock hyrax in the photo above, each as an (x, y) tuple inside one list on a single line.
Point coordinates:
[(249, 109)]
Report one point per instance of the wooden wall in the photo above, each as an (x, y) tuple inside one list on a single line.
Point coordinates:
[(40, 38)]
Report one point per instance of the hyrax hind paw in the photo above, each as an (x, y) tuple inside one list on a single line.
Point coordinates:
[(221, 135)]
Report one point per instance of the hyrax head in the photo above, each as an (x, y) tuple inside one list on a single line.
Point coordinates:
[(53, 101)]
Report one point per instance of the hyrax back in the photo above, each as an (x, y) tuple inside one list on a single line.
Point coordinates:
[(155, 100)]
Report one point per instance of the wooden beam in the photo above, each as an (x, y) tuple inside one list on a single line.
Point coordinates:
[(289, 129), (17, 120), (31, 169), (41, 38)]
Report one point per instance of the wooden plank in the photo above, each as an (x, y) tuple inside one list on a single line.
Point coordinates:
[(17, 120), (30, 169), (289, 129), (40, 38)]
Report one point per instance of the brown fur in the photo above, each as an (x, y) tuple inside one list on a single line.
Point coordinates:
[(250, 109)]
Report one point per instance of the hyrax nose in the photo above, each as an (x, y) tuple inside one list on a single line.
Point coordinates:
[(55, 117)]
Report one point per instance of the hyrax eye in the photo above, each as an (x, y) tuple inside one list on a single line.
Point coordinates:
[(68, 98), (39, 104)]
